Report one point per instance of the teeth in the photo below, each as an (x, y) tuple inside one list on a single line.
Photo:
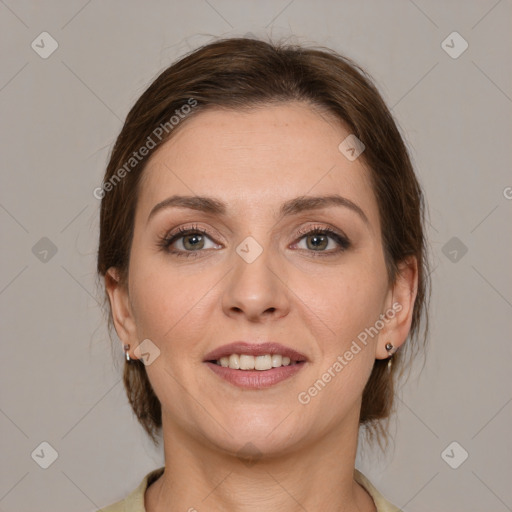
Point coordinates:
[(247, 362), (234, 361), (263, 362), (277, 360)]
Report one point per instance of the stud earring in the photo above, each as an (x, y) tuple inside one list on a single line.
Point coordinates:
[(127, 352), (391, 350)]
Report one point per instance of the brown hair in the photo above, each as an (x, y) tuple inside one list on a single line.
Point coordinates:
[(240, 73)]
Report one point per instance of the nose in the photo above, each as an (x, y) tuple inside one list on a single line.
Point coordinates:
[(256, 290)]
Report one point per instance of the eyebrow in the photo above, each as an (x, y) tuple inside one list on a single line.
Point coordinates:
[(294, 206)]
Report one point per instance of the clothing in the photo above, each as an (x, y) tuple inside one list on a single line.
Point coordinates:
[(134, 502)]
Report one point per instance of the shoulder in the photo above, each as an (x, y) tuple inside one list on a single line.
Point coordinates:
[(134, 502), (380, 502)]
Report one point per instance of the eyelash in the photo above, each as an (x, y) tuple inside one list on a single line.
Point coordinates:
[(166, 241)]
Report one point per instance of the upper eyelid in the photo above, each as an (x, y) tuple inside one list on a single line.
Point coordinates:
[(318, 225), (186, 230)]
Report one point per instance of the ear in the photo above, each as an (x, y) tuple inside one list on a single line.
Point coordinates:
[(399, 308), (122, 314)]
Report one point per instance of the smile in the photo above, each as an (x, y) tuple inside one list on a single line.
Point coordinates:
[(249, 362), (252, 378)]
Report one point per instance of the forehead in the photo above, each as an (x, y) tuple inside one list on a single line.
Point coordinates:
[(257, 158)]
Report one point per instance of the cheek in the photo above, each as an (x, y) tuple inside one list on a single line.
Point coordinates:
[(342, 302), (169, 302), (340, 311)]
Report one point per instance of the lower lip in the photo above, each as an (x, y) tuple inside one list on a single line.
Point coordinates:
[(255, 379)]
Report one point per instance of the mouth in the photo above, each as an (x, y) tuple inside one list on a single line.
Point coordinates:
[(249, 362), (255, 366)]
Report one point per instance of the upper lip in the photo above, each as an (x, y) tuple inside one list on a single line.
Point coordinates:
[(254, 349)]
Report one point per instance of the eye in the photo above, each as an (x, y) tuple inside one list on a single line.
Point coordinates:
[(318, 239), (191, 241), (187, 241)]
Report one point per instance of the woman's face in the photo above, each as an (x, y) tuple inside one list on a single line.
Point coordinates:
[(256, 276)]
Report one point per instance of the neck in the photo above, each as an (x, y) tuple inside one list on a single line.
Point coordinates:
[(318, 476)]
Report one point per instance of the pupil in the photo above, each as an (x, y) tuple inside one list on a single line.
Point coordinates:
[(195, 237), (317, 238)]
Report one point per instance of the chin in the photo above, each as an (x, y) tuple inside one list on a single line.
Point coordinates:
[(250, 448), (262, 436)]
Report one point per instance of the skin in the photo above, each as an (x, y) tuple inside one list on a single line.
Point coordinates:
[(254, 161)]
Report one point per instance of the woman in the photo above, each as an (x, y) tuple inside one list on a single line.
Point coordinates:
[(263, 254)]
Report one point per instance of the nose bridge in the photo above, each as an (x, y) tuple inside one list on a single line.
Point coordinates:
[(255, 287)]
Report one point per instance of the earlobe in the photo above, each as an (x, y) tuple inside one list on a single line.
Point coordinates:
[(120, 306), (400, 305)]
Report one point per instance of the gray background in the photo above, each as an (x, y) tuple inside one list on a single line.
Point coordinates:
[(60, 381)]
